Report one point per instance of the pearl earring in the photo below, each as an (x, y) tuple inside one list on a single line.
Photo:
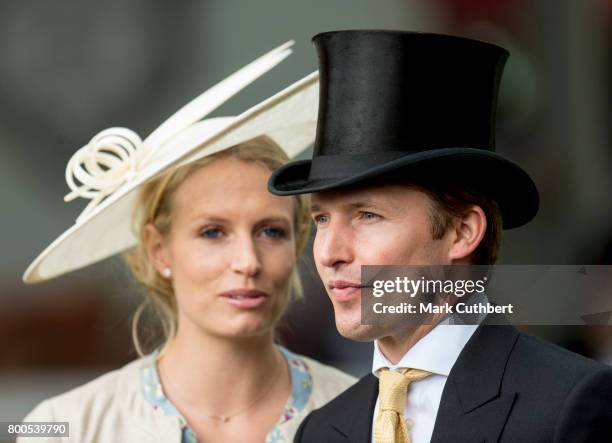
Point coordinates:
[(167, 272)]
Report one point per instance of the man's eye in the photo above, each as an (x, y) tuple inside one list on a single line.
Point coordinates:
[(370, 215), (211, 233), (320, 218), (275, 232)]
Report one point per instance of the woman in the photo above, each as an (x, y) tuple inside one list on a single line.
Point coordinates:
[(217, 254)]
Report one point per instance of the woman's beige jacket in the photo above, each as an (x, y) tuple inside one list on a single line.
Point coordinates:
[(112, 408)]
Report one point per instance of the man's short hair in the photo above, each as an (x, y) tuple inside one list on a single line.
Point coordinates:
[(450, 201)]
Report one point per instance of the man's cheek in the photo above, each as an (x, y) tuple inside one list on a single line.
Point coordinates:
[(315, 249), (381, 252)]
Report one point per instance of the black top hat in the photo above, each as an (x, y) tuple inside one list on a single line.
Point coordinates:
[(412, 104)]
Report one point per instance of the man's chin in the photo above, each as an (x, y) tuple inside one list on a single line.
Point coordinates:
[(357, 332)]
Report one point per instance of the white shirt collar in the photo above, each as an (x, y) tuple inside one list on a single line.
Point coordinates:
[(437, 351)]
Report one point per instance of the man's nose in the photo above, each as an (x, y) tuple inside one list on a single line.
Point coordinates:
[(333, 245), (245, 258)]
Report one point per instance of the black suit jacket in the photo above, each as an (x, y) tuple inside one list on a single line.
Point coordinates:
[(506, 386)]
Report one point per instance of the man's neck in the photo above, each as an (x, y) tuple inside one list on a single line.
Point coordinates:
[(397, 344), (394, 347)]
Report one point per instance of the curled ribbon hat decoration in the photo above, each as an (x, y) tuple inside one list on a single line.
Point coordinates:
[(109, 160), (114, 156)]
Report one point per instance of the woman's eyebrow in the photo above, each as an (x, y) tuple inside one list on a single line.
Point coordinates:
[(211, 218), (274, 219), (218, 219)]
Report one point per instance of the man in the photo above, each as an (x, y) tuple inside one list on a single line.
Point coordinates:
[(404, 173)]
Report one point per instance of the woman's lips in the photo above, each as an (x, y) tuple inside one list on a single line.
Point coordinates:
[(245, 298)]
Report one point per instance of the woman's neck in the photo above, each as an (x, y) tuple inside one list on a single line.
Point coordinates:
[(219, 375)]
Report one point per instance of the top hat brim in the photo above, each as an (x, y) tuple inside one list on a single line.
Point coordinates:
[(484, 171)]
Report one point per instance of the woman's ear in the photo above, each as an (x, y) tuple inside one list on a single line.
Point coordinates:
[(156, 248), (469, 232)]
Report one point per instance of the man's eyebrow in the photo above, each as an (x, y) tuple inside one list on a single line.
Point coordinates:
[(367, 203)]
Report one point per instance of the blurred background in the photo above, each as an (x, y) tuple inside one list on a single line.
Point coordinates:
[(72, 68)]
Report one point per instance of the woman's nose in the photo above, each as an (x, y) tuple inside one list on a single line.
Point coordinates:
[(245, 258)]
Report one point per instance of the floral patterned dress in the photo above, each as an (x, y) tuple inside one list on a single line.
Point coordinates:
[(301, 388)]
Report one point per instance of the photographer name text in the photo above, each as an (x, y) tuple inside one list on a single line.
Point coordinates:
[(433, 308)]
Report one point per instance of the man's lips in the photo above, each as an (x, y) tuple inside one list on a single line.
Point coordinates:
[(344, 290), (245, 298)]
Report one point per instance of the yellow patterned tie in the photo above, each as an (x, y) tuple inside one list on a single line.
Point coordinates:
[(390, 425)]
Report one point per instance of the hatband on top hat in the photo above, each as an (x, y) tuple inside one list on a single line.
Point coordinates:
[(409, 104)]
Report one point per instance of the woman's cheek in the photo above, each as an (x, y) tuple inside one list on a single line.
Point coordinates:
[(200, 267), (211, 258)]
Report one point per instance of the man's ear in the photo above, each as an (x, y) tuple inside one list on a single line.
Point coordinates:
[(155, 248), (469, 231)]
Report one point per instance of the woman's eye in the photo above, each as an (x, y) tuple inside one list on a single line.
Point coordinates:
[(274, 232), (211, 233)]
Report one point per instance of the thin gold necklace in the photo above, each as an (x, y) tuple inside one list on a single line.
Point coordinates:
[(228, 417)]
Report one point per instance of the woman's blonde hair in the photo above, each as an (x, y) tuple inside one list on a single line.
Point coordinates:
[(154, 205)]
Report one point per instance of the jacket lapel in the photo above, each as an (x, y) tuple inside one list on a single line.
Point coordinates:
[(472, 408), (352, 418)]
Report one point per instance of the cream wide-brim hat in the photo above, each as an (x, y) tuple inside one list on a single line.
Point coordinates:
[(113, 166)]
